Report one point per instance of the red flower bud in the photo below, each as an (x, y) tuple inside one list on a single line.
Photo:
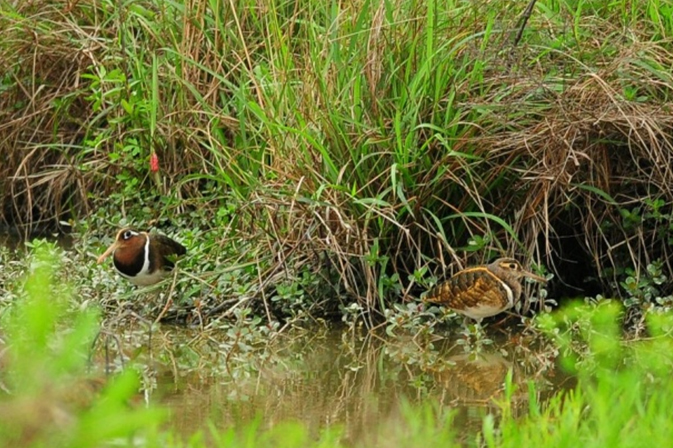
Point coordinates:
[(154, 162)]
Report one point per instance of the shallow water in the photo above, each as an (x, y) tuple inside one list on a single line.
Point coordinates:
[(331, 376)]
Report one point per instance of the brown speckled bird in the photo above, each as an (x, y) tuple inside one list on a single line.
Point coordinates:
[(482, 291), (142, 258)]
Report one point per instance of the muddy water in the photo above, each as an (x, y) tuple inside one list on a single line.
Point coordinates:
[(334, 377)]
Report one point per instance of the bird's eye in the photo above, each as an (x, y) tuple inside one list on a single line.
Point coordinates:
[(127, 235), (513, 266)]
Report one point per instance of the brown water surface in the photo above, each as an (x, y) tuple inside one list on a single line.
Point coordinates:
[(333, 376)]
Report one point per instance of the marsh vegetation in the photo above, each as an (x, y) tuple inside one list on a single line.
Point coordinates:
[(328, 162)]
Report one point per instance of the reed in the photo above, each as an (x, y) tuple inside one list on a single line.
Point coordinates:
[(385, 140)]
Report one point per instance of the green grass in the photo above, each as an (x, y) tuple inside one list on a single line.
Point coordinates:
[(48, 398), (385, 140)]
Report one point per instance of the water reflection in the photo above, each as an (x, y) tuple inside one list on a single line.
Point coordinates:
[(13, 239), (358, 382)]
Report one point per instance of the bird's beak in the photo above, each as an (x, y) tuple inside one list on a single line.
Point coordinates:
[(107, 253), (535, 277)]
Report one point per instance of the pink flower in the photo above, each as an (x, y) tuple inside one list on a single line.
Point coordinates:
[(154, 162)]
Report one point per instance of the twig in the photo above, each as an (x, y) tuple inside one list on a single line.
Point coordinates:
[(524, 21), (169, 301)]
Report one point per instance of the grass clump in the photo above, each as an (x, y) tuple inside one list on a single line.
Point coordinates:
[(623, 392), (362, 151)]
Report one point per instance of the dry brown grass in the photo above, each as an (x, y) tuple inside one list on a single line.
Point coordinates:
[(43, 115), (560, 154), (594, 155)]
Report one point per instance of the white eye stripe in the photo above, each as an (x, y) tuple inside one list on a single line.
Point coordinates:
[(511, 266), (128, 234)]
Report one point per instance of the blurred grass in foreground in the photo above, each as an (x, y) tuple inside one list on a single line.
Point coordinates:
[(49, 397)]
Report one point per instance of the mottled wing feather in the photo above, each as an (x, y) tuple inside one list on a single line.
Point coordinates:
[(468, 289)]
